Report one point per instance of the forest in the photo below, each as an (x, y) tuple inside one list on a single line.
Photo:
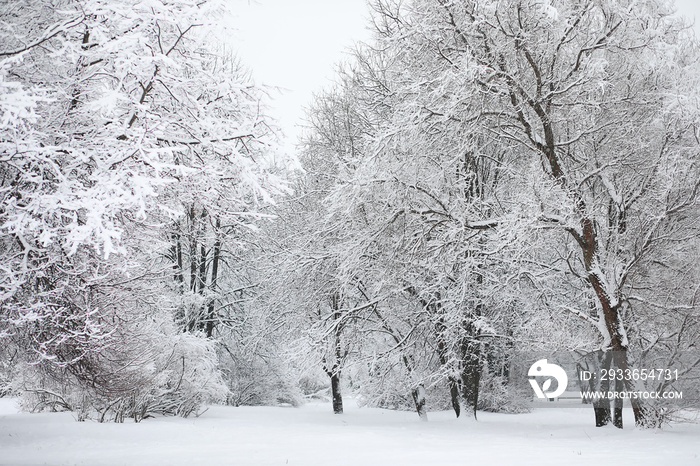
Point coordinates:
[(487, 184)]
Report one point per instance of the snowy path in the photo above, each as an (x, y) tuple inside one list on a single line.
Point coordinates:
[(312, 435)]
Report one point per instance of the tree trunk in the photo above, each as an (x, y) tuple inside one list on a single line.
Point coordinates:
[(618, 386), (641, 417), (179, 276), (209, 327), (601, 406), (588, 243), (470, 377), (202, 259), (454, 395), (443, 357), (176, 252), (334, 372), (193, 250), (471, 362), (335, 393), (418, 394)]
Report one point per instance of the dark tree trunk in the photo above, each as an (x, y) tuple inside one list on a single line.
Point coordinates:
[(176, 252), (193, 250), (454, 395), (418, 394), (202, 259), (605, 411), (471, 362), (588, 243), (202, 276), (470, 378), (641, 416), (617, 405), (443, 357), (470, 348), (192, 318), (602, 413), (335, 393), (601, 407), (179, 276), (334, 370), (199, 268), (209, 328)]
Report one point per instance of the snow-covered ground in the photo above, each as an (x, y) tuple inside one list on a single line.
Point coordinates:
[(312, 435)]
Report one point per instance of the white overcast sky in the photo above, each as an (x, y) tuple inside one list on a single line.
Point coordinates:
[(295, 44)]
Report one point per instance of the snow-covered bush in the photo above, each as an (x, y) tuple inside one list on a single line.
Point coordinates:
[(496, 395), (314, 386), (166, 373), (257, 375)]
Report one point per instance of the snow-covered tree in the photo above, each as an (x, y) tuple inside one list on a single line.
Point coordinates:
[(525, 159), (123, 131)]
